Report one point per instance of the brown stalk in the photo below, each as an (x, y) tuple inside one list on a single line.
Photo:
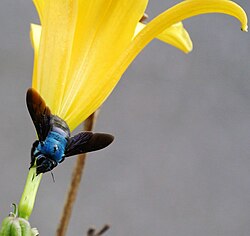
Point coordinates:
[(75, 182)]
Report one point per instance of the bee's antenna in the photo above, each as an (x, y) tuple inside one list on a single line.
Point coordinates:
[(53, 176)]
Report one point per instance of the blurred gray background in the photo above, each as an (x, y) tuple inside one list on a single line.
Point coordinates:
[(180, 163)]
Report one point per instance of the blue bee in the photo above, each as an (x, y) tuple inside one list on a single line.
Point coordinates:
[(54, 140)]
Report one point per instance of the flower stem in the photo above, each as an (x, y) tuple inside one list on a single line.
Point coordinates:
[(28, 198), (75, 182)]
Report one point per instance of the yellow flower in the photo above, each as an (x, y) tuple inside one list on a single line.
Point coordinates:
[(84, 47)]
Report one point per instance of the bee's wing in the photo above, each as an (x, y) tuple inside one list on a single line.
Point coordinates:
[(39, 112), (87, 142)]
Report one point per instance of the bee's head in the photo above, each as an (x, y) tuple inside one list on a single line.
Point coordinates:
[(44, 164)]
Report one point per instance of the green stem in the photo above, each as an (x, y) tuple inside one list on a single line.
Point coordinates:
[(28, 198)]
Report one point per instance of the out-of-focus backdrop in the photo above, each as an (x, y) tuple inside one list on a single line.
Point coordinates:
[(180, 163)]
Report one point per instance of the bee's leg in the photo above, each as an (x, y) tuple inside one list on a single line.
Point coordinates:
[(33, 150)]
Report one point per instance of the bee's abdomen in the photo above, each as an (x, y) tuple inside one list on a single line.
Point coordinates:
[(59, 126)]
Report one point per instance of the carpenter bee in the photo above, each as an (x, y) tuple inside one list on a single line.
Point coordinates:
[(54, 142)]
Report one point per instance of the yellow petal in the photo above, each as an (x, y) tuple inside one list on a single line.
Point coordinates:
[(172, 16), (84, 52), (175, 35), (58, 27), (96, 50), (35, 34)]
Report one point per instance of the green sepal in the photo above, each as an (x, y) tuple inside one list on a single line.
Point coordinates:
[(6, 226), (15, 228), (25, 226)]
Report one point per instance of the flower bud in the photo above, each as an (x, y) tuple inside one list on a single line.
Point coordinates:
[(15, 226)]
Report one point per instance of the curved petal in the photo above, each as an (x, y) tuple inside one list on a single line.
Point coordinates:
[(175, 35), (172, 16)]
